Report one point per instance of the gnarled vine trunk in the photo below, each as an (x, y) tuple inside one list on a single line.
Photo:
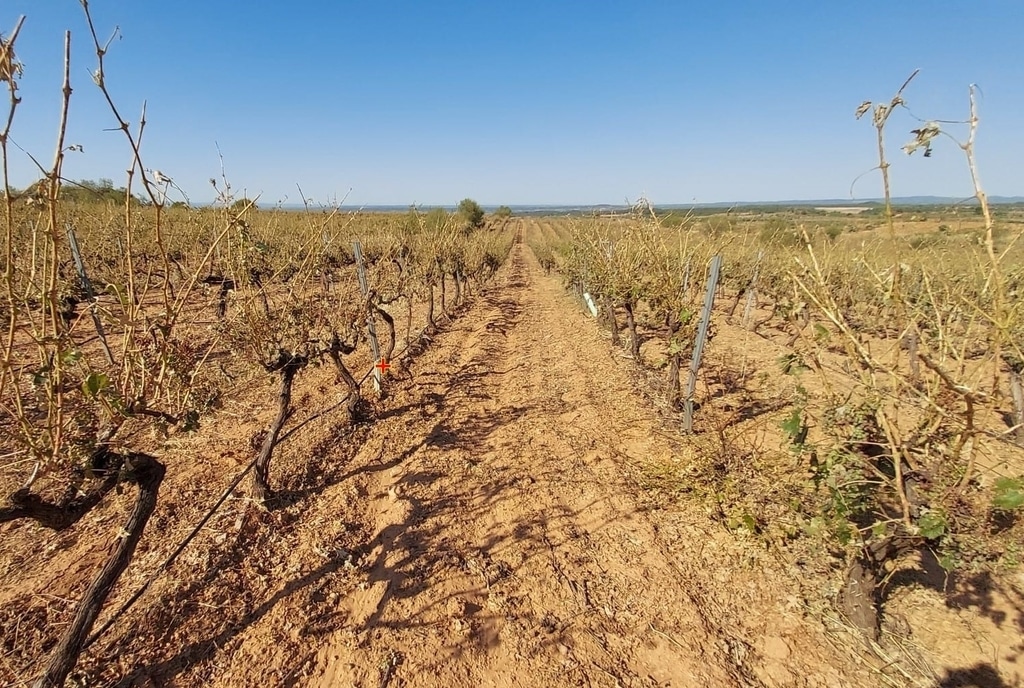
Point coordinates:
[(430, 309), (634, 337), (860, 596), (389, 322), (288, 365), (335, 352), (444, 296), (736, 302), (613, 323), (766, 319), (147, 473)]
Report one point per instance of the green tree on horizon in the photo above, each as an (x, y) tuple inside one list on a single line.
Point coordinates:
[(471, 212)]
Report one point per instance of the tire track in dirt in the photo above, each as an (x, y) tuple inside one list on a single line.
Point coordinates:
[(509, 551)]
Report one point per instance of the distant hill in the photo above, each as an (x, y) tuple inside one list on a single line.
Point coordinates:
[(902, 201), (850, 203), (583, 209)]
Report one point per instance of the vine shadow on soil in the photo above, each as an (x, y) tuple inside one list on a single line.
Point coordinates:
[(420, 536), (977, 676), (429, 552), (975, 591)]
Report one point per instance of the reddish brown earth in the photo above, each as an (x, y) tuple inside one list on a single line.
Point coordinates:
[(488, 528)]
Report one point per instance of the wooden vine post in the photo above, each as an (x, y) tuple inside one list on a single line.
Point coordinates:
[(748, 309), (698, 346), (371, 328), (83, 279)]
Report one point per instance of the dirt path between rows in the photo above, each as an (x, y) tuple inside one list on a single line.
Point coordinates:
[(508, 552)]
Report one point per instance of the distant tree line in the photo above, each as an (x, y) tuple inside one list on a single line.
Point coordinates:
[(83, 191)]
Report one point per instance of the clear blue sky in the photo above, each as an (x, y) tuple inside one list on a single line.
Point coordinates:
[(528, 102)]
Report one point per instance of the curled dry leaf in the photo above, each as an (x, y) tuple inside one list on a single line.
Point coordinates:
[(9, 66), (923, 139), (881, 113)]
